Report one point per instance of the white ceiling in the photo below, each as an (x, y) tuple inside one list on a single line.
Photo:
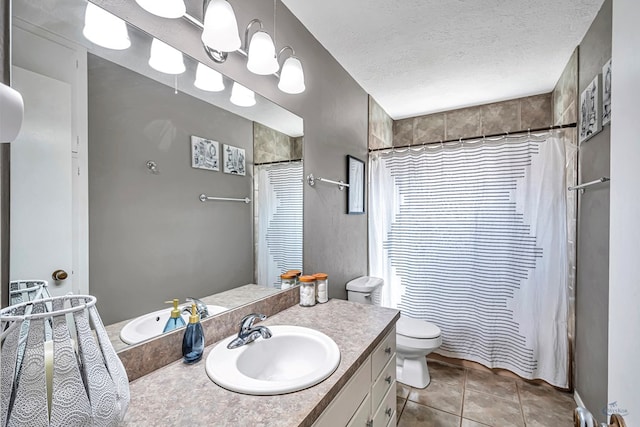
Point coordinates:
[(422, 56)]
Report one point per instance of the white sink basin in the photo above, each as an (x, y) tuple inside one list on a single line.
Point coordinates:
[(293, 359), (151, 325)]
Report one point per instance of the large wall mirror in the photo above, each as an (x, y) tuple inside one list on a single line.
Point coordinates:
[(108, 173)]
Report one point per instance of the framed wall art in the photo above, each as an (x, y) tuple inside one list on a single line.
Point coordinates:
[(355, 190), (234, 160), (606, 93), (205, 154), (589, 111)]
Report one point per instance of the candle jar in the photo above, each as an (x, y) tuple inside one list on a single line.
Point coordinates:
[(297, 274), (287, 280), (322, 287), (307, 291)]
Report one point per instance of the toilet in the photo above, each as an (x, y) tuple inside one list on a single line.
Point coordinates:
[(415, 339)]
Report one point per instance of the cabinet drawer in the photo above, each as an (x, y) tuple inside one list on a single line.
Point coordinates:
[(387, 409), (383, 353), (361, 417), (348, 400), (383, 382)]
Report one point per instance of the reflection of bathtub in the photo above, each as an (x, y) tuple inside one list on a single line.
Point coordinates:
[(230, 299)]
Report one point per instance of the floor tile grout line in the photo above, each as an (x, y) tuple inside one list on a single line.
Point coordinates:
[(524, 420), (464, 391)]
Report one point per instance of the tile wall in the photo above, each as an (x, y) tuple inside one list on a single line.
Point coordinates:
[(508, 116), (269, 145)]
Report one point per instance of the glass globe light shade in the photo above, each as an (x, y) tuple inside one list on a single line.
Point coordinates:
[(165, 58), (105, 29), (262, 54), (292, 76), (221, 27), (241, 96), (208, 79)]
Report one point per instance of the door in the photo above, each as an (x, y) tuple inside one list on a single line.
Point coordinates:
[(46, 233)]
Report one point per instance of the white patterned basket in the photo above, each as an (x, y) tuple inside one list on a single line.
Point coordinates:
[(86, 384)]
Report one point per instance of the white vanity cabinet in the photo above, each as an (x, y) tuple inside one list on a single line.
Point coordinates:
[(369, 397)]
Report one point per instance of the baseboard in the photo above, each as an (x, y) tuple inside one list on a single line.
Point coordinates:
[(578, 399)]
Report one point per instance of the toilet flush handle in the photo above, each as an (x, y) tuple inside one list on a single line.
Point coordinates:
[(367, 295)]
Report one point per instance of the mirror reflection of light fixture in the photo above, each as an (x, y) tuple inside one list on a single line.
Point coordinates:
[(291, 77), (208, 79), (241, 96), (105, 29), (11, 113), (261, 52), (164, 8), (165, 58), (220, 26)]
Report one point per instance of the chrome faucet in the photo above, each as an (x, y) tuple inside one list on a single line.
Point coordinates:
[(249, 333), (203, 311)]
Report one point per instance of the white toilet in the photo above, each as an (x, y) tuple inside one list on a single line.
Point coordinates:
[(414, 338)]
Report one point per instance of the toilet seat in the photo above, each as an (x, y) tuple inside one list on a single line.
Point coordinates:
[(417, 329)]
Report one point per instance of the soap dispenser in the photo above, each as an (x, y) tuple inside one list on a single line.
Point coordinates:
[(176, 320), (193, 341)]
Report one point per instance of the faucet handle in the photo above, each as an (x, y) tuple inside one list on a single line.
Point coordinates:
[(247, 321)]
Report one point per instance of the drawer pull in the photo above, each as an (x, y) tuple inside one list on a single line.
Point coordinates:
[(388, 412), (388, 379), (388, 350)]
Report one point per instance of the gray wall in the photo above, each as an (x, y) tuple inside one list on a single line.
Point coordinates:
[(334, 109), (150, 238), (5, 155), (592, 288)]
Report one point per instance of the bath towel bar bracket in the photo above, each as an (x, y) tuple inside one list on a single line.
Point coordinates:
[(582, 187)]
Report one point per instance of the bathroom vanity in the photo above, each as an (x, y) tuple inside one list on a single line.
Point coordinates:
[(362, 388)]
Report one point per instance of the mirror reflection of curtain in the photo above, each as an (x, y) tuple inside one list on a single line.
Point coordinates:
[(279, 220)]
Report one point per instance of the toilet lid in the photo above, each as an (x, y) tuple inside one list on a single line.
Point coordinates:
[(415, 328)]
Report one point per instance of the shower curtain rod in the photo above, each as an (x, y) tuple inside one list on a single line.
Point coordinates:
[(480, 137), (277, 162)]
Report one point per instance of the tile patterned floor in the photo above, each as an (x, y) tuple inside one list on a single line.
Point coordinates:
[(461, 397)]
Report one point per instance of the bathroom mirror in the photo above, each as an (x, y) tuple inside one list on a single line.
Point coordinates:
[(117, 209)]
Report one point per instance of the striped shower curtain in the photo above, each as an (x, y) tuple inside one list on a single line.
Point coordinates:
[(473, 237), (278, 221)]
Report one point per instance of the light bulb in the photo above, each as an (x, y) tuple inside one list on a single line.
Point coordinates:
[(220, 27), (241, 96), (164, 8), (105, 29), (208, 79), (165, 58), (262, 54), (292, 76)]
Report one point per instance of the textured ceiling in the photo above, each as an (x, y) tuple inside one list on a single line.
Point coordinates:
[(422, 56)]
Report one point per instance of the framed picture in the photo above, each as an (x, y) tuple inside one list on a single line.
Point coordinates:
[(589, 106), (355, 190), (606, 93), (205, 154), (234, 160)]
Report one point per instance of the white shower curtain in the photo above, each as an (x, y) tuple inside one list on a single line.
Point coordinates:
[(473, 237), (279, 221)]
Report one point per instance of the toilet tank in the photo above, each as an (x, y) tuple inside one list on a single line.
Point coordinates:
[(365, 289)]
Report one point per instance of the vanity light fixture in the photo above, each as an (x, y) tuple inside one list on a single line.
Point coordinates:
[(261, 52), (11, 113), (241, 96), (164, 8), (220, 31), (291, 76), (165, 58), (208, 79), (105, 29)]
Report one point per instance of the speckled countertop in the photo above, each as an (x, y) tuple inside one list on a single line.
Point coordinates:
[(180, 394)]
